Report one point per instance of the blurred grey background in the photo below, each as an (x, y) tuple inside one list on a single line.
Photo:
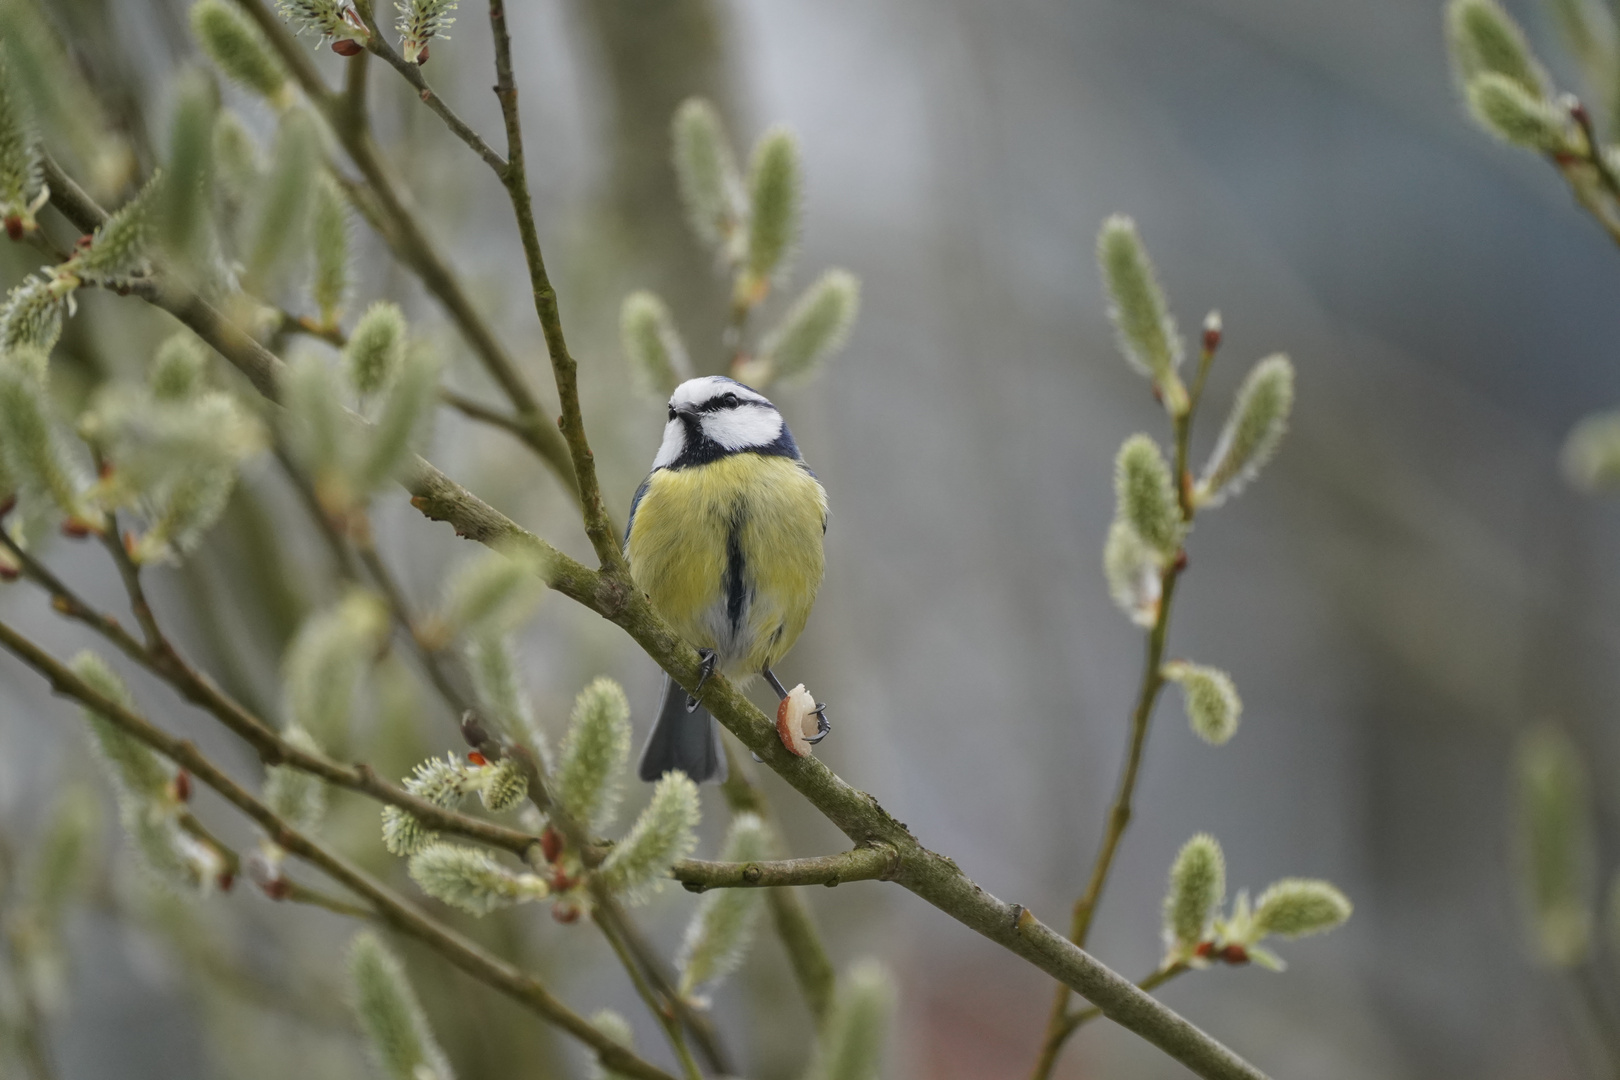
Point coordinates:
[(1407, 587)]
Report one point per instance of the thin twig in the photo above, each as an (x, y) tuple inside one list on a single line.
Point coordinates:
[(394, 910), (1119, 813), (666, 1020)]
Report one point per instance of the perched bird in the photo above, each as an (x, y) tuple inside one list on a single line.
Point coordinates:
[(725, 539)]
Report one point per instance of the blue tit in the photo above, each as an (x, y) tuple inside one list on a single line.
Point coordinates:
[(725, 540)]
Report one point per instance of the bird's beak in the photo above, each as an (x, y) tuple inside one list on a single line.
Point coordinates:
[(686, 410)]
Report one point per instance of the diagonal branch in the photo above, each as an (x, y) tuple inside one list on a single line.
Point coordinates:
[(397, 912)]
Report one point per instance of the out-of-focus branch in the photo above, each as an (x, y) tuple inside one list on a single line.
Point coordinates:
[(404, 234), (390, 908)]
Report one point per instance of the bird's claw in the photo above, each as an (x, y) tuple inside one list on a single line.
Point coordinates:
[(705, 669), (823, 725)]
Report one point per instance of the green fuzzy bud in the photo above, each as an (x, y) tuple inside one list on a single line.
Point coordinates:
[(402, 1044), (175, 857), (618, 1029), (1296, 907), (851, 1047), (32, 314), (1134, 572), (62, 861), (316, 431), (237, 165), (717, 937), (1591, 457), (638, 865), (1484, 39), (1213, 706), (494, 592), (329, 228), (502, 785), (588, 780), (183, 203), (1252, 433), (140, 774), (178, 368), (50, 82), (1147, 333), (323, 665), (179, 518), (120, 245), (19, 161), (1197, 889), (376, 349), (1556, 846), (441, 781), (295, 796), (501, 697), (419, 22), (281, 225), (707, 173), (814, 328), (324, 17), (1146, 495), (1503, 108), (404, 421), (470, 879), (33, 449), (652, 344), (239, 49), (774, 184)]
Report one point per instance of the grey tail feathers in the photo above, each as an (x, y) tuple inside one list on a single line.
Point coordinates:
[(688, 741)]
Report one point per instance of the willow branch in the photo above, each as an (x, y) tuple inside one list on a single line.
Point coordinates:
[(392, 909), (876, 862), (1120, 811), (410, 244), (933, 877), (165, 661)]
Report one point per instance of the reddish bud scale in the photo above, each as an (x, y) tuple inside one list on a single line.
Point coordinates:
[(8, 504), (14, 226), (277, 888), (1180, 562), (10, 571), (182, 786), (347, 47), (561, 882), (565, 913), (225, 880), (1235, 954), (1205, 948), (83, 242), (477, 759), (1212, 340), (129, 542), (551, 844), (75, 529)]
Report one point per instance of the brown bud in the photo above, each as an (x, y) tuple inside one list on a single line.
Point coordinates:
[(1235, 954), (347, 47), (565, 913), (182, 786), (551, 844), (14, 226), (75, 529)]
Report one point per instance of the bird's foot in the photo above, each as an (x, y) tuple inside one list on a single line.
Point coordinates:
[(704, 671)]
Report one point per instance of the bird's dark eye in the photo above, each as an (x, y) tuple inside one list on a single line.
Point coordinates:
[(729, 400)]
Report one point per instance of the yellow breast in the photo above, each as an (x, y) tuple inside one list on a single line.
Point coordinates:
[(730, 553)]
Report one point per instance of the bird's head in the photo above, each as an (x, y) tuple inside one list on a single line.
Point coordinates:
[(714, 416)]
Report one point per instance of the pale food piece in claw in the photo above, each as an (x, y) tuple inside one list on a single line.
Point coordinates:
[(796, 721)]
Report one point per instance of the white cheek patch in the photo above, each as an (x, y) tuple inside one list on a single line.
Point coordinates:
[(743, 427), (672, 446)]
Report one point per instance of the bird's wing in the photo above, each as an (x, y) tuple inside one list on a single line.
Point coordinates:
[(635, 501)]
